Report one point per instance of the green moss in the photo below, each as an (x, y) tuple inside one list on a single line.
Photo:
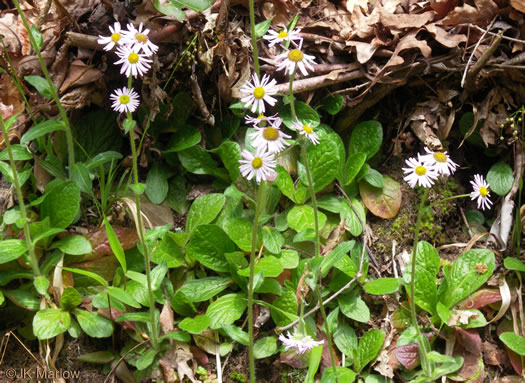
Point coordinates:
[(293, 376), (238, 377)]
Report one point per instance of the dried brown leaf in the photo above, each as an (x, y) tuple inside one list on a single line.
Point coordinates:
[(405, 20), (177, 358), (449, 40), (482, 14), (80, 74)]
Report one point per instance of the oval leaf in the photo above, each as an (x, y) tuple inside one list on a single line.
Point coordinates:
[(385, 202)]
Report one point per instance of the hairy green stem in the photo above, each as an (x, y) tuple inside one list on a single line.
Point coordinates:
[(258, 211), (423, 351), (52, 89), (314, 202), (292, 98), (33, 260), (254, 38)]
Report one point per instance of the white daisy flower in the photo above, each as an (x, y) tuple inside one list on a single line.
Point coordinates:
[(258, 92), (125, 100), (440, 161), (419, 173), (481, 192), (116, 37), (139, 38), (255, 121), (306, 130), (270, 138), (283, 35), (261, 165), (299, 342), (133, 62), (295, 58)]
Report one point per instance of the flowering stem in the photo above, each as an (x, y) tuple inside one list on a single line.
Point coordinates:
[(314, 201), (52, 89), (254, 38), (147, 266), (33, 260), (258, 210), (422, 340), (446, 199), (292, 99)]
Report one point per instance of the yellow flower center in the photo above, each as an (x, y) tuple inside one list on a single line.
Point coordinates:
[(261, 116), (295, 55), (421, 170), (440, 157), (115, 37), (141, 38), (258, 92), (133, 58), (257, 163), (307, 128), (283, 34), (483, 191), (270, 134), (124, 99)]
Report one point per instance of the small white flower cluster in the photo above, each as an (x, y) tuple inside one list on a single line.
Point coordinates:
[(299, 342), (268, 138), (133, 48), (426, 168)]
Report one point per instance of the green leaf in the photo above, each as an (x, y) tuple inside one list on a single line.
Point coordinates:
[(427, 267), (366, 137), (226, 310), (208, 244), (284, 182), (265, 347), (138, 189), (515, 264), (197, 160), (41, 284), (287, 303), (345, 339), (37, 37), (304, 112), (116, 246), (93, 324), (314, 360), (168, 251), (269, 265), (500, 178), (71, 298), (97, 357), (61, 205), (204, 210), (80, 175), (123, 296), (183, 138), (334, 256), (354, 163), (202, 289), (20, 153), (170, 10), (272, 239), (179, 336), (352, 220), (86, 273), (369, 346), (471, 270), (262, 27), (354, 307), (103, 158), (230, 154), (195, 325), (146, 359), (324, 160), (240, 231), (157, 184), (302, 217), (42, 129), (177, 193), (75, 245), (341, 374), (374, 178), (134, 317), (384, 202), (382, 286), (515, 342), (48, 323), (41, 85), (196, 5), (157, 275), (333, 104), (11, 249)]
